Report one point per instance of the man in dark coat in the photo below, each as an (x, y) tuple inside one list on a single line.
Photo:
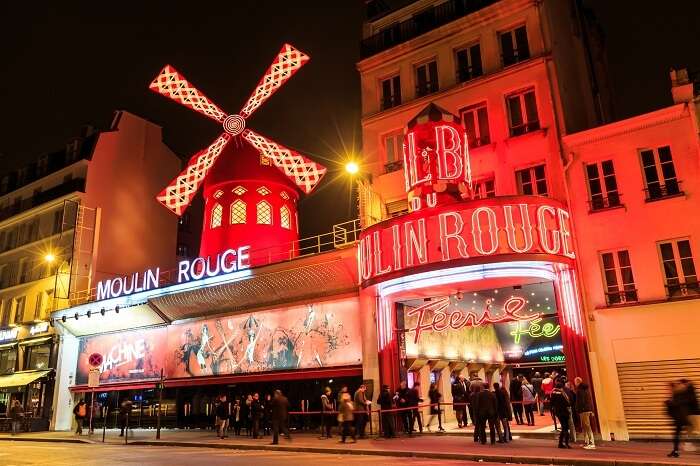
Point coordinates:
[(256, 414), (280, 408), (484, 411), (536, 382), (385, 402), (516, 398), (459, 397), (413, 400), (402, 402), (504, 413)]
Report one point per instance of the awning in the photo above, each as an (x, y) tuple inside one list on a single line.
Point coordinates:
[(35, 341), (20, 379), (115, 387)]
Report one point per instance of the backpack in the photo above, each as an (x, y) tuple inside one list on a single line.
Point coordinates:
[(82, 411)]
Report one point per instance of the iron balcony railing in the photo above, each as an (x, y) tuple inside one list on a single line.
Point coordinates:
[(390, 101), (604, 202), (524, 128), (394, 166), (77, 184), (420, 23), (655, 191), (679, 290), (621, 296)]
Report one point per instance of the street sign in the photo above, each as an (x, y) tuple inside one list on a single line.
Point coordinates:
[(94, 377), (95, 360)]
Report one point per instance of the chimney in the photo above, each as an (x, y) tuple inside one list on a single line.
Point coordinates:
[(681, 86)]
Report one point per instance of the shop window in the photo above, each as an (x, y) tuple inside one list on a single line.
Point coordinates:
[(239, 190), (476, 122), (659, 174), (391, 92), (619, 280), (38, 357), (393, 149), (263, 191), (238, 212), (217, 213), (532, 181), (285, 218), (679, 268), (602, 185), (514, 46), (468, 62), (8, 360), (426, 79), (522, 112), (484, 188), (264, 213)]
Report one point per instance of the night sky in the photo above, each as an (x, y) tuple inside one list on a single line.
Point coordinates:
[(66, 64)]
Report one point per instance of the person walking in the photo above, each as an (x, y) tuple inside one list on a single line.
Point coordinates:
[(361, 405), (346, 417), (280, 416), (222, 417), (459, 398), (584, 408), (504, 411), (16, 415), (414, 400), (124, 412), (516, 398), (236, 418), (529, 400), (80, 411), (326, 413), (256, 414), (435, 396), (561, 406), (536, 382), (680, 406), (402, 403), (386, 402)]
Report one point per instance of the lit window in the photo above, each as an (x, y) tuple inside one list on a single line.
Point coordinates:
[(239, 190), (262, 190), (484, 188), (476, 122), (522, 112), (659, 173), (393, 147), (238, 212), (216, 213), (218, 194), (679, 268), (284, 195), (619, 280), (532, 181), (602, 185), (264, 215), (285, 217), (265, 160)]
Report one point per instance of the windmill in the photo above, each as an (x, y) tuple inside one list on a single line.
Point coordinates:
[(251, 192)]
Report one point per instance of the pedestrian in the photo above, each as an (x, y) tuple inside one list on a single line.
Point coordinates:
[(361, 405), (435, 396), (536, 382), (222, 417), (584, 408), (516, 398), (485, 412), (267, 415), (16, 415), (280, 416), (402, 403), (529, 400), (414, 400), (561, 405), (681, 405), (246, 419), (346, 417), (256, 414), (326, 413), (459, 400), (573, 415), (505, 413), (80, 411), (473, 380), (343, 389), (236, 418), (124, 412), (386, 402)]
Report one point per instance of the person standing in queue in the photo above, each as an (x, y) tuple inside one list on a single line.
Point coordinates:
[(504, 411), (402, 403), (361, 403), (536, 382), (529, 398), (561, 406), (584, 408), (386, 402), (279, 412), (459, 398), (236, 417), (326, 413), (414, 400), (346, 417), (485, 412), (516, 398), (256, 414), (435, 396)]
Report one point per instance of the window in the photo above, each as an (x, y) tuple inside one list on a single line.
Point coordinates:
[(239, 190), (19, 309), (514, 46), (183, 223), (391, 92), (238, 212), (659, 173), (218, 194), (285, 217), (40, 307), (602, 185), (522, 112), (5, 312), (263, 191), (393, 147), (619, 281), (265, 160), (216, 213), (397, 208), (23, 269), (426, 79), (532, 181), (38, 357), (476, 122), (484, 188), (679, 268), (8, 360), (264, 214), (468, 63), (284, 195), (57, 221)]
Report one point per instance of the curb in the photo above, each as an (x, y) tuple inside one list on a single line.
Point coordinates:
[(47, 440)]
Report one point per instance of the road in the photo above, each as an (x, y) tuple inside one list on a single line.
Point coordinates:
[(64, 454)]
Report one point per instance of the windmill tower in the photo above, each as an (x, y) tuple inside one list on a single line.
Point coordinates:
[(251, 183)]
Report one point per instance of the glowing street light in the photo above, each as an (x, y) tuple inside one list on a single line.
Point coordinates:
[(352, 168), (49, 258)]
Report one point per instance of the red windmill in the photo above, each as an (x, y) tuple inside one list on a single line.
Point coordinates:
[(251, 193)]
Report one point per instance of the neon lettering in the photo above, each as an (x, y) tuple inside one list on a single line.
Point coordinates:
[(378, 256), (477, 232), (525, 229), (453, 150), (535, 330), (446, 235), (416, 242), (552, 248)]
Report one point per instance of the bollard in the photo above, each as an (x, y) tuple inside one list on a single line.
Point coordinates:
[(126, 429)]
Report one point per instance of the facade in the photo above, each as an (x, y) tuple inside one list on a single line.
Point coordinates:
[(63, 221), (631, 186)]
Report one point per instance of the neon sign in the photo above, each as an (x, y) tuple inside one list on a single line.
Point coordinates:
[(535, 329), (456, 320), (231, 260), (9, 334), (468, 230)]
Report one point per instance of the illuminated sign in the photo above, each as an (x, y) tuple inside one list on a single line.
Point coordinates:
[(228, 261), (467, 230), (40, 327), (535, 329), (9, 334), (543, 349)]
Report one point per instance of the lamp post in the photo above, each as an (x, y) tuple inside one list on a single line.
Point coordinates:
[(49, 259)]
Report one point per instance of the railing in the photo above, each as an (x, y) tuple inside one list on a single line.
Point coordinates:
[(468, 74), (391, 101), (679, 290), (396, 165), (601, 202), (427, 88), (657, 191), (77, 184), (524, 128), (621, 297), (420, 23)]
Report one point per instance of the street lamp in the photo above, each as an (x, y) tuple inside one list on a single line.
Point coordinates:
[(352, 167), (49, 258)]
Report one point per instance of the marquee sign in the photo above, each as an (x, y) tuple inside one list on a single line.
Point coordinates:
[(469, 230)]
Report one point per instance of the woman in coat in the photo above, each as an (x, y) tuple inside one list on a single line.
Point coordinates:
[(561, 406), (504, 412), (346, 417), (435, 397)]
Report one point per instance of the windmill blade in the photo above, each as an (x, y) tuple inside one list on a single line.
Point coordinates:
[(286, 63), (173, 85), (179, 193), (304, 172)]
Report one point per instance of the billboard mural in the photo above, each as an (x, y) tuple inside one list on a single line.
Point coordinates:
[(513, 324), (300, 337)]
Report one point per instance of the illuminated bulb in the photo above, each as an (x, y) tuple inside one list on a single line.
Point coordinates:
[(49, 258), (352, 168)]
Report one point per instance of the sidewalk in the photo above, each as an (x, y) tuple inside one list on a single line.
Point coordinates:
[(452, 447)]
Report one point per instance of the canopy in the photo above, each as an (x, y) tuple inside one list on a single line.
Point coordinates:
[(20, 379)]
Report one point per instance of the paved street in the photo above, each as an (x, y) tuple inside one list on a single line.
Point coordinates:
[(61, 454)]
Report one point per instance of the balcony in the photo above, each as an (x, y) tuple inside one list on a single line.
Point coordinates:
[(524, 128), (614, 298), (658, 191), (598, 203), (681, 290), (420, 23), (391, 101), (77, 184), (394, 166)]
